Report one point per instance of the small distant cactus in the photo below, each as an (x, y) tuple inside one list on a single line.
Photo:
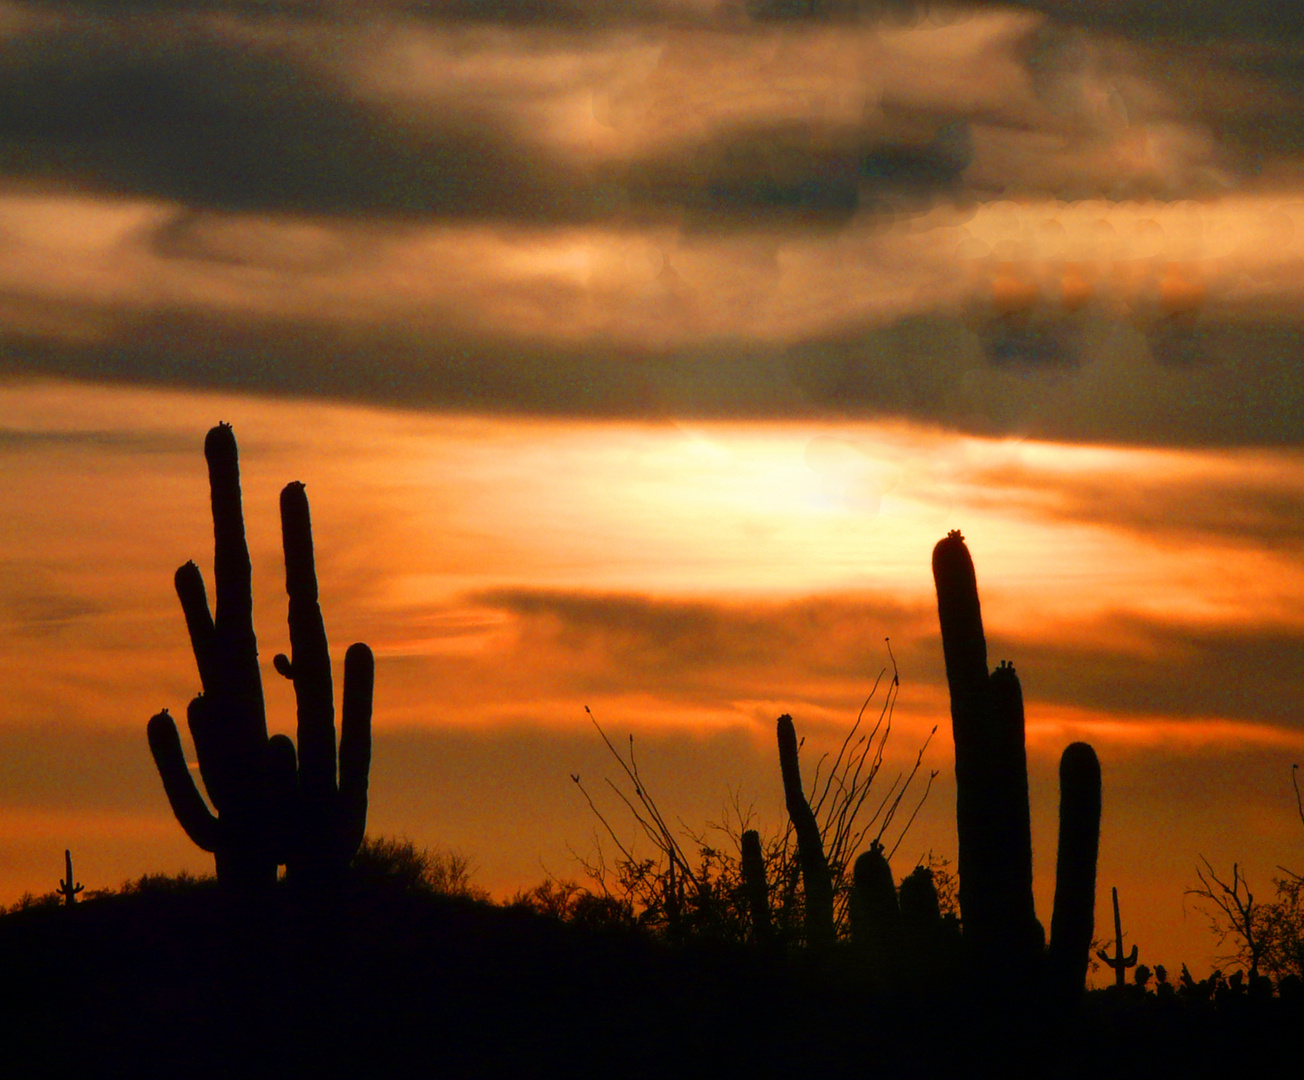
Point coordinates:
[(817, 880), (67, 889), (1118, 961)]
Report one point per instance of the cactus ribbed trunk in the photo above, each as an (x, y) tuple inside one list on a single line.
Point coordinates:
[(1073, 920), (817, 882)]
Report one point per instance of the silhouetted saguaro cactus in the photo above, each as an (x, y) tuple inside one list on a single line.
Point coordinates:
[(874, 912), (1118, 961), (992, 815), (1074, 918), (817, 881), (757, 889), (67, 889), (271, 809), (332, 816), (991, 771)]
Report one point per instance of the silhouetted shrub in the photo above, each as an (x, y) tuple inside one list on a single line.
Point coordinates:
[(399, 865), (692, 885)]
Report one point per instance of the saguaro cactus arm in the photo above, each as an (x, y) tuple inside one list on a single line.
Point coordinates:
[(332, 812), (355, 745), (817, 881), (238, 684), (1073, 920), (187, 804)]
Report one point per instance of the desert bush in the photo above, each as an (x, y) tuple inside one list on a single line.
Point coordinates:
[(689, 884), (398, 863), (1266, 938)]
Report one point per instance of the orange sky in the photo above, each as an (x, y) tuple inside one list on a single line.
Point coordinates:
[(635, 354), (688, 582)]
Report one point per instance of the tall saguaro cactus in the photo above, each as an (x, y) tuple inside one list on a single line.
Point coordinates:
[(991, 770), (992, 815), (817, 881), (271, 808)]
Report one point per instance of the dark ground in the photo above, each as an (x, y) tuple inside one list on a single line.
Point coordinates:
[(183, 983)]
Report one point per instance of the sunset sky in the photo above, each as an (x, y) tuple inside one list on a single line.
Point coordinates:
[(635, 353)]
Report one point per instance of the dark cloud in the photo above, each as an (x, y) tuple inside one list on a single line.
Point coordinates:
[(1265, 512), (799, 171), (1088, 380), (213, 117), (542, 14), (1238, 84), (686, 646), (567, 14), (1179, 20), (35, 604), (1250, 95), (20, 441), (1243, 391), (823, 649), (1164, 669)]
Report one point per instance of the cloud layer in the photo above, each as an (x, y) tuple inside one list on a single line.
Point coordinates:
[(1019, 219)]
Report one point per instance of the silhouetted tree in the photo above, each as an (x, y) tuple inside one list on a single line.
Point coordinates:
[(1266, 937)]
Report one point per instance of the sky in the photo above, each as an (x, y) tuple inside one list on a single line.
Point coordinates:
[(635, 355)]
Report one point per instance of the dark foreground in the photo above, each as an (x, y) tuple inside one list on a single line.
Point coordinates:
[(183, 984)]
